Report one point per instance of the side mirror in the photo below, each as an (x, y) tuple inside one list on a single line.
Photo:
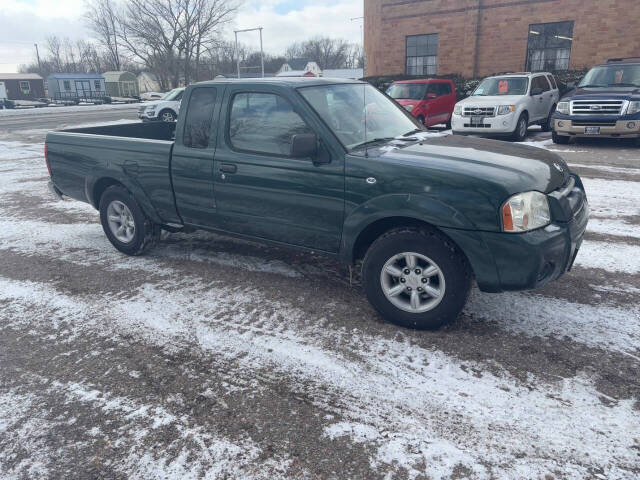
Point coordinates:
[(304, 145), (431, 95), (536, 91)]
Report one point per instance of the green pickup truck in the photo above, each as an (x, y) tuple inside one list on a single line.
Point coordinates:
[(337, 167)]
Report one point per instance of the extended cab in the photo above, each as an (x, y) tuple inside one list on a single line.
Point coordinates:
[(335, 167), (606, 103), (430, 100)]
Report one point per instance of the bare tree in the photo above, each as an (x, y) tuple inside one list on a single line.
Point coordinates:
[(327, 52), (102, 18)]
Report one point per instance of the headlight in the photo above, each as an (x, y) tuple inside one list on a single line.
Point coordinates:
[(150, 109), (563, 107), (634, 107), (525, 211), (408, 107), (504, 109), (457, 110)]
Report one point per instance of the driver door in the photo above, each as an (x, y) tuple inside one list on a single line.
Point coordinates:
[(260, 190)]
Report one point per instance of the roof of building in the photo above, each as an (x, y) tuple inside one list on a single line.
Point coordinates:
[(288, 81), (355, 73), (298, 63), (116, 76), (293, 73), (20, 76), (95, 76)]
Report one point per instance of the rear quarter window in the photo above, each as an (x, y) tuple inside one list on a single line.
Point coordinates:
[(552, 81), (197, 123)]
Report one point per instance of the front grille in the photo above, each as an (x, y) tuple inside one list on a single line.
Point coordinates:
[(478, 111), (587, 123), (596, 107)]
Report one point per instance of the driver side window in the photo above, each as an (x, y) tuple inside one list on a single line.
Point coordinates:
[(264, 123)]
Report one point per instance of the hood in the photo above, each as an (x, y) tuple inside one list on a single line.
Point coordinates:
[(491, 100), (514, 168), (616, 93)]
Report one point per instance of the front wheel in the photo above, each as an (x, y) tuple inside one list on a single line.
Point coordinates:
[(520, 132), (416, 278), (167, 116), (559, 139), (124, 223)]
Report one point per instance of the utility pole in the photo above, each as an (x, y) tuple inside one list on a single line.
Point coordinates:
[(261, 51), (38, 57), (364, 57)]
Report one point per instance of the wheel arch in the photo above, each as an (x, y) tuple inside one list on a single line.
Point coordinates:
[(96, 187)]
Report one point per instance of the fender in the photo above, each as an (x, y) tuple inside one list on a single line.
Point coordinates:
[(418, 207), (118, 174)]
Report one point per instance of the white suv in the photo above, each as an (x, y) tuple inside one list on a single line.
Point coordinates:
[(165, 110), (505, 105)]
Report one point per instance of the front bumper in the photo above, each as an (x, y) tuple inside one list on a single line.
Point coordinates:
[(608, 128), (498, 125), (522, 261)]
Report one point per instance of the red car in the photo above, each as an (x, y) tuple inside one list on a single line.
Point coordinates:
[(430, 100)]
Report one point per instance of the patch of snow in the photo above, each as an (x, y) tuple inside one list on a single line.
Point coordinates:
[(613, 227), (612, 198), (417, 407), (59, 109), (607, 168), (619, 258)]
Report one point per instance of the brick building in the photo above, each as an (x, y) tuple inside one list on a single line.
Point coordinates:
[(480, 37)]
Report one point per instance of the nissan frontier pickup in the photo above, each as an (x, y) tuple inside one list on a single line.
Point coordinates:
[(334, 166)]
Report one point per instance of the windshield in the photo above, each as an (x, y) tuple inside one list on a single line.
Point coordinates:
[(612, 76), (407, 91), (171, 95), (503, 86), (347, 108)]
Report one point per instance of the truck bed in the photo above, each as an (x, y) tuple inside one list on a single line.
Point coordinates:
[(136, 155)]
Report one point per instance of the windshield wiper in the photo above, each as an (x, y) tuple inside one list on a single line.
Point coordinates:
[(623, 85), (370, 142), (416, 130)]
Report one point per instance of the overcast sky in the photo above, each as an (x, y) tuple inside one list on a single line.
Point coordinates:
[(25, 22)]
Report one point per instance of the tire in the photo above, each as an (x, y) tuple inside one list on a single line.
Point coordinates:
[(520, 133), (546, 125), (451, 283), (167, 116), (559, 139), (145, 233), (448, 124)]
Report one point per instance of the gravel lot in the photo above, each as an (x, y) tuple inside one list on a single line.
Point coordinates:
[(216, 358)]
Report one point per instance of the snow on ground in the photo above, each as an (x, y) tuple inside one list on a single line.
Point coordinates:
[(417, 407), (55, 110)]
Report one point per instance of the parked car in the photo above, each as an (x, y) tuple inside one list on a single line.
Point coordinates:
[(606, 103), (430, 100), (165, 110), (506, 105), (152, 96), (336, 167)]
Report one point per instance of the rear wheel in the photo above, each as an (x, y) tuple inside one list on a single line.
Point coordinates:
[(416, 278), (125, 224), (546, 125), (559, 139), (520, 132)]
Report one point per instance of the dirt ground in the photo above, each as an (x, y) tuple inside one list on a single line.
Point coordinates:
[(217, 358)]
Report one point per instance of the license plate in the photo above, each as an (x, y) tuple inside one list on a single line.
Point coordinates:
[(592, 130), (477, 120)]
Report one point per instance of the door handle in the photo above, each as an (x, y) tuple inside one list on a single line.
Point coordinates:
[(228, 168)]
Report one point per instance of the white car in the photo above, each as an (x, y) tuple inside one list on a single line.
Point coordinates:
[(505, 105), (152, 96), (165, 110)]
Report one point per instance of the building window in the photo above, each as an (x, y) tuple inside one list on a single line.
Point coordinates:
[(549, 46), (422, 54), (25, 87), (96, 84), (67, 84)]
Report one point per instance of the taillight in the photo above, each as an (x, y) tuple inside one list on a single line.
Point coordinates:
[(46, 158)]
